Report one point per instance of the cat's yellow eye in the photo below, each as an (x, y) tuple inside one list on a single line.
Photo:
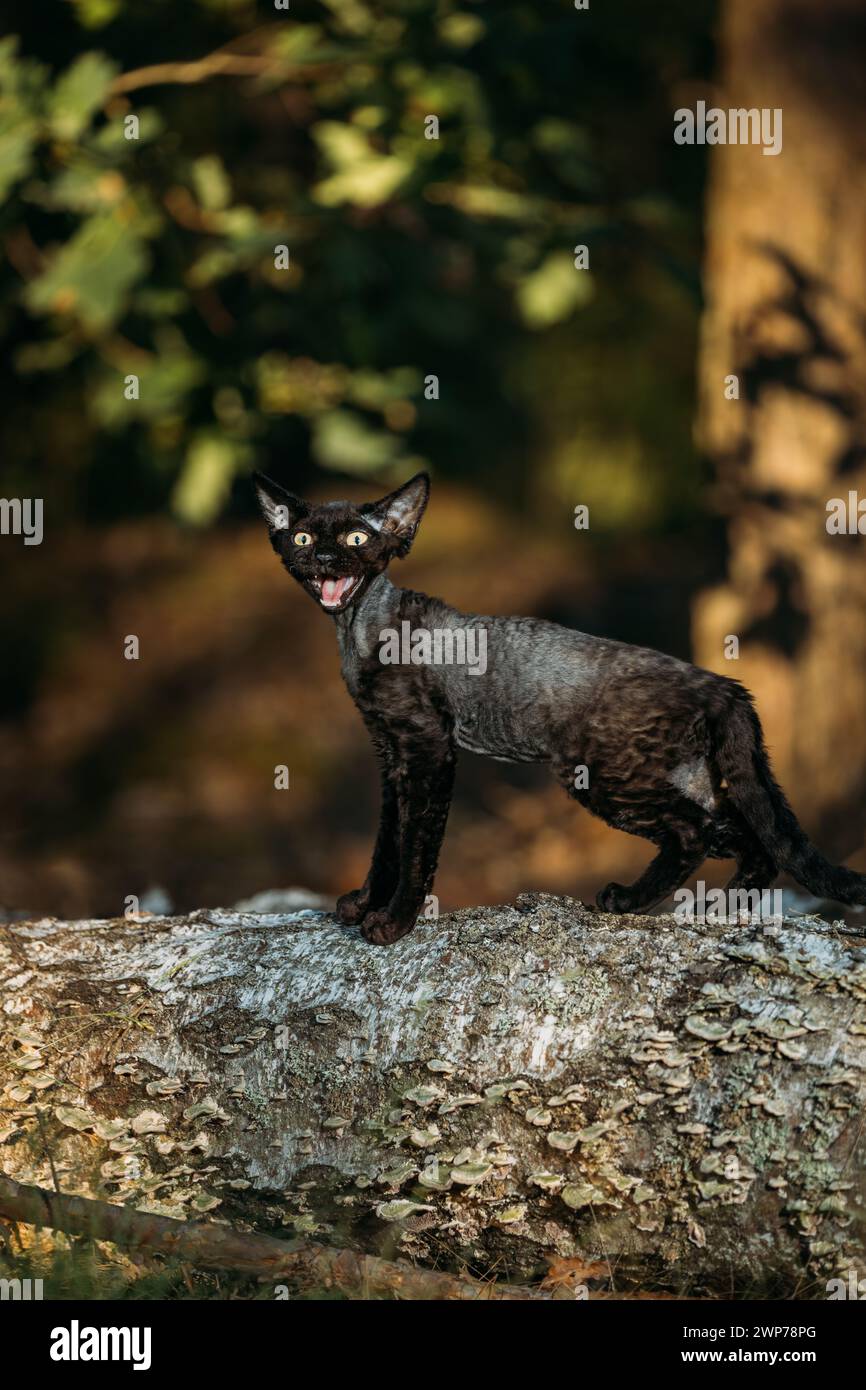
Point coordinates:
[(357, 538), (302, 538)]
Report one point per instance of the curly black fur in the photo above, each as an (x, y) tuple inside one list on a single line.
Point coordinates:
[(672, 752)]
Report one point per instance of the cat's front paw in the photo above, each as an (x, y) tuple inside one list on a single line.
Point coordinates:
[(381, 929), (352, 906)]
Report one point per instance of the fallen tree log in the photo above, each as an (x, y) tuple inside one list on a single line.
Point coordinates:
[(218, 1247), (504, 1086)]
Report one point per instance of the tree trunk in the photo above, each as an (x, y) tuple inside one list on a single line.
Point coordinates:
[(785, 284), (503, 1086)]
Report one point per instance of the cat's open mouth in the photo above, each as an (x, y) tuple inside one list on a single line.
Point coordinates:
[(334, 594)]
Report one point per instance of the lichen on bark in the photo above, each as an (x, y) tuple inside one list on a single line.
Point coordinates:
[(503, 1085)]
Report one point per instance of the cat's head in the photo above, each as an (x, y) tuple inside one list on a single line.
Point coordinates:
[(334, 549)]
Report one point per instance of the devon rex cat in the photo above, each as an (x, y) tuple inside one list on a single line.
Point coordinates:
[(650, 744)]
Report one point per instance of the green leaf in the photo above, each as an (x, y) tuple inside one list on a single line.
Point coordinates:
[(84, 187), (91, 275), (79, 92), (17, 141), (375, 390), (341, 439), (211, 183), (461, 30), (52, 355), (94, 14), (553, 291), (362, 176), (110, 139), (204, 484), (23, 79), (165, 382)]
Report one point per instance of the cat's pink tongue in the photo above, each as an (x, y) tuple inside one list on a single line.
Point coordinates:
[(333, 590)]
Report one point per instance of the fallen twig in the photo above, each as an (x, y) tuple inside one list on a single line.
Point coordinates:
[(214, 1247)]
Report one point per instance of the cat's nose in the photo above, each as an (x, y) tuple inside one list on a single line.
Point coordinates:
[(326, 557)]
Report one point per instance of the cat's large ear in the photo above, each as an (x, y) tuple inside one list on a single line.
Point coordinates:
[(400, 512), (280, 509)]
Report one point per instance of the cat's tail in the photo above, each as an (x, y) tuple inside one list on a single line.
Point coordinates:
[(743, 762)]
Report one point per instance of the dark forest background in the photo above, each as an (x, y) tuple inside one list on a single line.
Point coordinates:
[(408, 257)]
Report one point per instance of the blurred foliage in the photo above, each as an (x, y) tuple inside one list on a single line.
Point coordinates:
[(158, 343), (157, 256)]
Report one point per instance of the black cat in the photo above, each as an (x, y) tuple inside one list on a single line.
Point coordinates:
[(650, 744)]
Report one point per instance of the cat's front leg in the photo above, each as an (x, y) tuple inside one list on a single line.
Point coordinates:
[(424, 799), (351, 906), (379, 885)]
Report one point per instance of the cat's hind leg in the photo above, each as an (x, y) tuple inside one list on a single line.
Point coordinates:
[(680, 827), (733, 839), (678, 857), (755, 868)]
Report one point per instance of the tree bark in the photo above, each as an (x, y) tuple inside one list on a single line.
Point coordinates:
[(503, 1087), (785, 279)]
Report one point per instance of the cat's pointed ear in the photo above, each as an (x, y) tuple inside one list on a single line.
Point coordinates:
[(280, 509), (401, 511)]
